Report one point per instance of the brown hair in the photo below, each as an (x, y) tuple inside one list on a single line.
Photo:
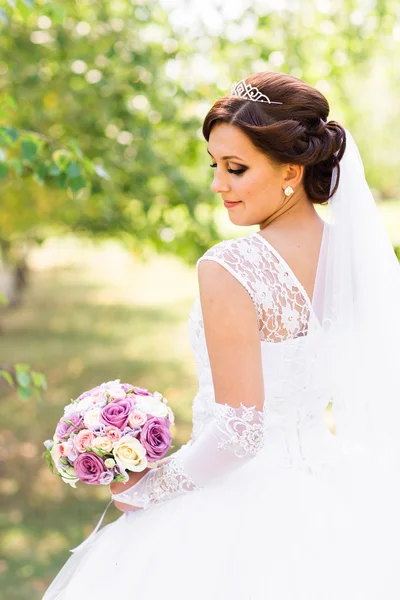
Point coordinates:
[(296, 131)]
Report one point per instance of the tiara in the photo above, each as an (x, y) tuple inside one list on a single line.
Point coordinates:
[(248, 92)]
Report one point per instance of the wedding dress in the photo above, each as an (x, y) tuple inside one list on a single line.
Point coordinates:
[(259, 505), (284, 525)]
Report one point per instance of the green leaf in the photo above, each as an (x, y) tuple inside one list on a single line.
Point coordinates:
[(29, 3), (3, 299), (61, 181), (23, 379), (29, 149), (8, 135), (25, 393), (3, 16), (76, 184), (61, 157), (7, 376), (17, 166), (39, 380), (41, 173), (73, 170), (22, 367), (3, 170), (73, 144), (49, 461), (54, 170)]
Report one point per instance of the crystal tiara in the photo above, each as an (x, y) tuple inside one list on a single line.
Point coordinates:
[(248, 92)]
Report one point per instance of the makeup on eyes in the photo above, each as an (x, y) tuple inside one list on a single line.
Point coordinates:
[(231, 156), (234, 171)]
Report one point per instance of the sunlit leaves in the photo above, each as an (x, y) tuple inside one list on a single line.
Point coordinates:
[(29, 383)]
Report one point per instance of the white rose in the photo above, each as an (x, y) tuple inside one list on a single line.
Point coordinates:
[(71, 409), (92, 417), (55, 453), (153, 407), (68, 475), (110, 383), (130, 454), (117, 394)]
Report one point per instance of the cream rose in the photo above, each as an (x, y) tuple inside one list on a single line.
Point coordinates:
[(136, 419), (102, 443), (130, 454)]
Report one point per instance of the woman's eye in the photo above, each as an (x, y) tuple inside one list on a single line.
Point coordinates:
[(234, 171)]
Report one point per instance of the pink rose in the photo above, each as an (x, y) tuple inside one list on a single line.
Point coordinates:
[(137, 419), (113, 433), (84, 439)]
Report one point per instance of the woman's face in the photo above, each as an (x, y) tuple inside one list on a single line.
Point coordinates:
[(257, 186)]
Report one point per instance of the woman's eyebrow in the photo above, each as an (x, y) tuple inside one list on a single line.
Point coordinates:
[(225, 157)]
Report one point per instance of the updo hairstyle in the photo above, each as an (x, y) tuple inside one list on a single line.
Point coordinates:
[(296, 131)]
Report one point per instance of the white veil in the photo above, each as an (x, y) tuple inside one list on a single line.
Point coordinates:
[(357, 300)]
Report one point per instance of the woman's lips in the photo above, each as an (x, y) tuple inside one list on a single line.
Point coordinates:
[(230, 204)]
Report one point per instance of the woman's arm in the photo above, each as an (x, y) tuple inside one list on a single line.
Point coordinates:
[(236, 431)]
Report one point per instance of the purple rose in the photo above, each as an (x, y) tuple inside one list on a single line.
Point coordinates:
[(141, 391), (155, 437), (64, 429), (89, 468), (116, 413), (88, 393)]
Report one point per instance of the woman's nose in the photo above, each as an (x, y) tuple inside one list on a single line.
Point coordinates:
[(219, 185)]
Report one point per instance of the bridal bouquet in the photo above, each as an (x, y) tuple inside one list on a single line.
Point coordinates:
[(110, 430)]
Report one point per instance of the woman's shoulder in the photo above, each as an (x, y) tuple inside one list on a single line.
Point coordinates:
[(229, 248)]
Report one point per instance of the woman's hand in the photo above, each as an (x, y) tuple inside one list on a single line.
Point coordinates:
[(118, 486)]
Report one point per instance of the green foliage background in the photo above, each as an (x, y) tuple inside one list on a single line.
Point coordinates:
[(100, 137)]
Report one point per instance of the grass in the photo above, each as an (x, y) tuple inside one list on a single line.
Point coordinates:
[(90, 315)]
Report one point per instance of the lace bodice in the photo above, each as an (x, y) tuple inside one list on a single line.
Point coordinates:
[(289, 331), (281, 303)]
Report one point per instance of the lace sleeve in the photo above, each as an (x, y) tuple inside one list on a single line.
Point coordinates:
[(235, 433), (234, 436)]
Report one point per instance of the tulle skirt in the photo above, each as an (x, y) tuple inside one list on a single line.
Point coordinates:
[(275, 529)]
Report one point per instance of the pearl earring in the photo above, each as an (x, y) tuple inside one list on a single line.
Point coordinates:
[(288, 191)]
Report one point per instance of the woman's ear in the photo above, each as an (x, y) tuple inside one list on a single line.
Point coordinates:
[(293, 175)]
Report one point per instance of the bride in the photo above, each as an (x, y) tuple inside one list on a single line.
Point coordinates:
[(265, 502)]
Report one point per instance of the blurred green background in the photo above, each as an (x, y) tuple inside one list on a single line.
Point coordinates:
[(105, 205)]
